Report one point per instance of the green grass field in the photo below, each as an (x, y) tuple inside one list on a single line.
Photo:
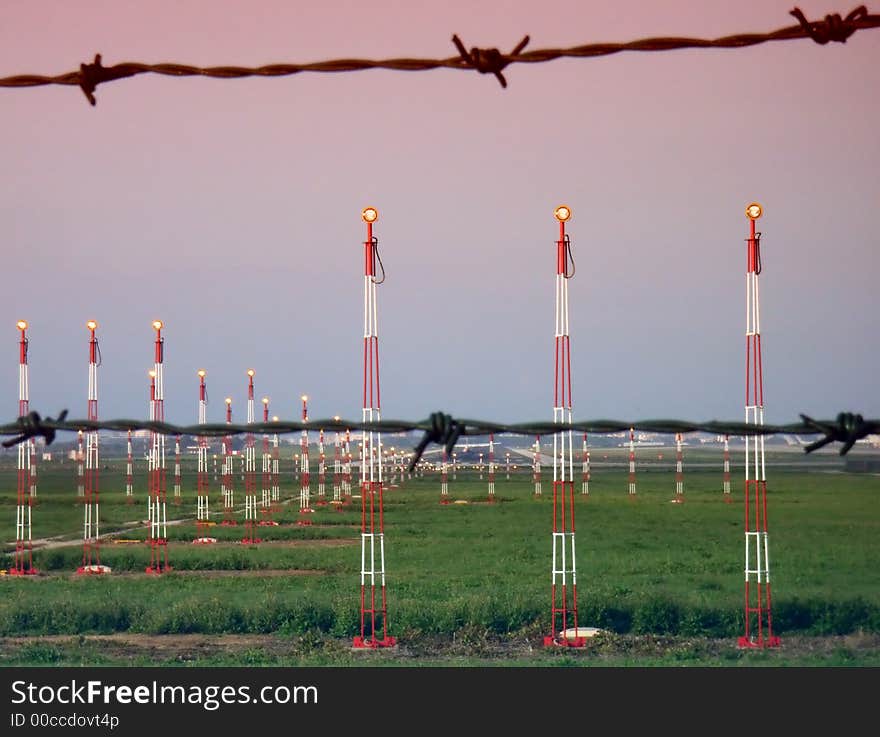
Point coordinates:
[(467, 583)]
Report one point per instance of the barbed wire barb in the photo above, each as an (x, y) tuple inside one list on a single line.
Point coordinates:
[(849, 428), (489, 61), (486, 61), (833, 28), (31, 426)]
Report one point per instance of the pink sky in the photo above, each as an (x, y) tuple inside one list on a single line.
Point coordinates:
[(230, 209)]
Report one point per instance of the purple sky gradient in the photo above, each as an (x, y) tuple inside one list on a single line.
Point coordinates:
[(230, 209)]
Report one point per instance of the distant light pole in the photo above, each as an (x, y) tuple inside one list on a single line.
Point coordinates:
[(91, 558), (23, 559), (250, 471), (158, 537)]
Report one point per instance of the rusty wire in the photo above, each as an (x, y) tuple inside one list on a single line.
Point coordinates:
[(445, 430), (485, 61)]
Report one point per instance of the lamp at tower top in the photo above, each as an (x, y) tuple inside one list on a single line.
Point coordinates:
[(754, 211), (274, 418), (228, 400), (21, 325), (251, 372), (265, 400), (157, 325), (562, 213), (305, 397), (202, 373), (151, 373), (370, 214), (336, 418), (92, 325)]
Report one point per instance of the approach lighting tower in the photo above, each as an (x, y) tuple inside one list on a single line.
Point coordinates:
[(491, 467), (203, 487), (444, 478), (322, 470), (250, 472), (129, 473), (337, 466), (632, 462), (374, 614), (266, 489), (679, 472), (91, 557), (276, 476), (346, 467), (23, 561), (725, 482), (758, 616), (563, 602), (305, 507), (80, 467), (536, 466), (158, 536), (227, 473), (176, 497), (585, 469)]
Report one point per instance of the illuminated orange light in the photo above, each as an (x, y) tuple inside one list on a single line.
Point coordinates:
[(562, 213)]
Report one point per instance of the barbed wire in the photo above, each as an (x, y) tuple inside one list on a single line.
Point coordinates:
[(443, 429), (483, 60)]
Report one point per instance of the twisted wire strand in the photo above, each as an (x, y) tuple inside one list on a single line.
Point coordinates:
[(443, 429), (483, 60)]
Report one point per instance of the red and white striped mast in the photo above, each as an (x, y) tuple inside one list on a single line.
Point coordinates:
[(725, 483), (276, 476), (227, 473), (346, 467), (31, 444), (507, 467), (305, 507), (491, 467), (758, 615), (250, 472), (585, 469), (80, 466), (23, 560), (391, 463), (374, 614), (632, 462), (176, 497), (536, 466), (203, 487), (337, 466), (679, 472), (322, 472), (563, 602), (266, 497), (158, 537), (444, 478), (480, 466), (91, 557), (129, 469)]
